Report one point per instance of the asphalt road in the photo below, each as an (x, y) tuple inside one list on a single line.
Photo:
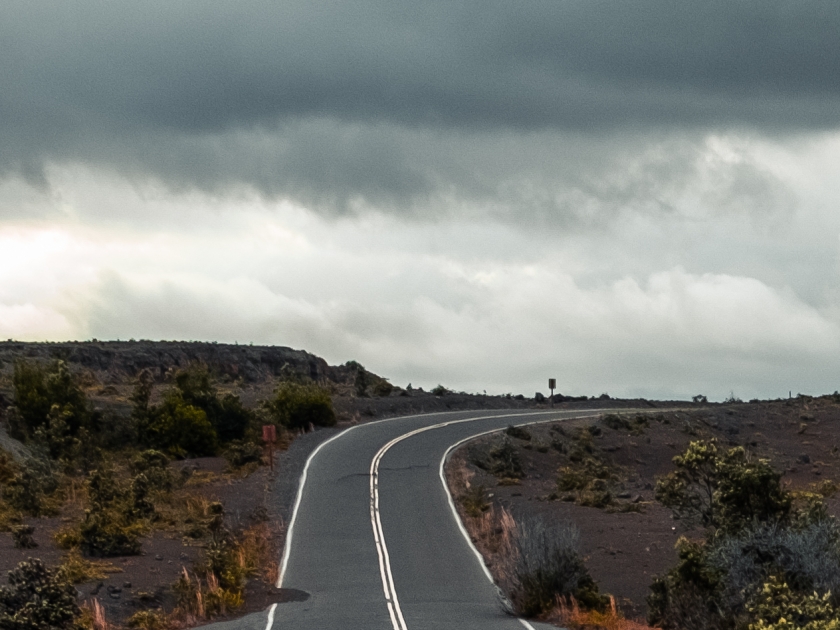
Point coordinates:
[(374, 539)]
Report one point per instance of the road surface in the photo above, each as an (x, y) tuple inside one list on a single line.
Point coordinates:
[(374, 539)]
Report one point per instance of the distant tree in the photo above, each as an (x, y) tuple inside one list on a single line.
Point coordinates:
[(228, 416), (723, 490), (38, 391), (296, 406), (180, 429)]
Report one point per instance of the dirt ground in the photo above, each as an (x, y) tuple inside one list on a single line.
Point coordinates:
[(623, 550), (144, 581)]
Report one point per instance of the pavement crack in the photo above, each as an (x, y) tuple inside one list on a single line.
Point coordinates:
[(396, 468)]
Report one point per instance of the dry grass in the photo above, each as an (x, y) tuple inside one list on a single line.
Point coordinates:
[(568, 613), (257, 552), (93, 616), (77, 569), (492, 531), (203, 599)]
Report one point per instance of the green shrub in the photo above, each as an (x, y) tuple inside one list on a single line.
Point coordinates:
[(38, 390), (520, 433), (296, 406), (777, 607), (723, 490), (181, 429), (636, 426), (8, 467), (110, 527), (37, 598), (549, 566), (440, 390), (22, 537), (239, 454), (154, 465), (764, 557), (149, 620), (504, 461), (382, 388), (31, 486)]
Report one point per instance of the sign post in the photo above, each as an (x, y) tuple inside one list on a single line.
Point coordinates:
[(552, 384), (269, 437)]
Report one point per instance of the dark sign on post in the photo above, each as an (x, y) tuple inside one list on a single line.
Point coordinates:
[(552, 383), (270, 437), (269, 433)]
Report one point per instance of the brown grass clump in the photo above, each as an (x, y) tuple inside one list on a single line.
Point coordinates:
[(150, 620), (92, 617), (569, 614), (257, 553), (200, 599)]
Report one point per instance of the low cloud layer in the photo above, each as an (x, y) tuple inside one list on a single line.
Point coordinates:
[(635, 198), (732, 295)]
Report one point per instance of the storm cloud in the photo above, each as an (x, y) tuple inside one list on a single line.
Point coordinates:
[(345, 105)]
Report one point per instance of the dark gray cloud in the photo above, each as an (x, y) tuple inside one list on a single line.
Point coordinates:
[(316, 100)]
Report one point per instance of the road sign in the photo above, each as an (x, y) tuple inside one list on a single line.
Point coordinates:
[(269, 433), (270, 437), (552, 383)]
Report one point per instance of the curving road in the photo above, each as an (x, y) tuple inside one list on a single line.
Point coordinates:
[(374, 539)]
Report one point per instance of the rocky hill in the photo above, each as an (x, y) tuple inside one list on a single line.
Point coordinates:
[(115, 362)]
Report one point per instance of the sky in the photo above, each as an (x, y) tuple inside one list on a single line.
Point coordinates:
[(635, 198)]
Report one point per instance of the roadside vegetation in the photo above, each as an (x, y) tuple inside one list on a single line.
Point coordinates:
[(769, 559), (535, 561), (755, 554), (116, 481)]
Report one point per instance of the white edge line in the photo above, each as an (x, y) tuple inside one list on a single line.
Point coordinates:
[(378, 532), (270, 621), (302, 482), (388, 586), (452, 501), (289, 533)]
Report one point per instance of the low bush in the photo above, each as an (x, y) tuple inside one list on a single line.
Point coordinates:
[(150, 620), (636, 425), (474, 501), (37, 598), (296, 406), (549, 566), (154, 465), (180, 429), (31, 487), (77, 569), (504, 461), (723, 490), (589, 480), (22, 537), (767, 559), (239, 454), (520, 433), (777, 607), (111, 526), (440, 390)]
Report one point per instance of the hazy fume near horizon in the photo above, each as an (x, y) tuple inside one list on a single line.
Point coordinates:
[(635, 198)]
